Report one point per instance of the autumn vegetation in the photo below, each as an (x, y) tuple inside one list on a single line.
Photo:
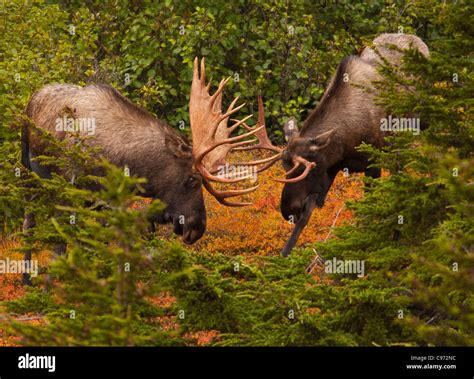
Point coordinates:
[(120, 285), (246, 232)]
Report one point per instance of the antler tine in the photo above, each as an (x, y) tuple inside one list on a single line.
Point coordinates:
[(219, 90), (268, 165), (228, 141), (203, 72), (297, 160), (261, 111), (211, 136), (275, 158), (217, 103), (221, 196), (264, 141), (195, 70), (207, 175), (231, 110)]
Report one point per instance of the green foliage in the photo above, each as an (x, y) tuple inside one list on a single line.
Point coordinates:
[(97, 284), (266, 302), (449, 291), (418, 287), (35, 301), (414, 227)]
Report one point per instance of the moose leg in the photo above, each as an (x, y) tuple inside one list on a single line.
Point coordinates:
[(60, 248), (373, 172), (360, 163), (332, 172), (312, 201), (28, 223)]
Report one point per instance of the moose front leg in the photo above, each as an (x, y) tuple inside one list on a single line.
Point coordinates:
[(28, 223), (373, 172), (312, 201)]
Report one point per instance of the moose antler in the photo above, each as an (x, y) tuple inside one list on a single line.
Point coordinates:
[(209, 130), (298, 161), (263, 141), (216, 157)]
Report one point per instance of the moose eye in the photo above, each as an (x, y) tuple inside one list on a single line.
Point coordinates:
[(192, 181)]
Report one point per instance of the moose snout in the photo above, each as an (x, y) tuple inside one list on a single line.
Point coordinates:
[(193, 230)]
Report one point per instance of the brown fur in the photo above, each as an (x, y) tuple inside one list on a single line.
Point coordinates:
[(346, 116), (127, 135)]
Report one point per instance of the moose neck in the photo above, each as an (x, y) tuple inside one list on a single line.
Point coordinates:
[(345, 105)]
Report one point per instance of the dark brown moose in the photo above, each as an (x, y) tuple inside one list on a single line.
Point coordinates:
[(129, 136), (346, 116)]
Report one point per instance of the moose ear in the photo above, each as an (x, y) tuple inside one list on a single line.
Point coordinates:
[(321, 141), (178, 147), (290, 128)]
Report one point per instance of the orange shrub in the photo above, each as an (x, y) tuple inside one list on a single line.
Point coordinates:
[(260, 229)]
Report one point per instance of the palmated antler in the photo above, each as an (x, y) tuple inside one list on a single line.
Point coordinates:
[(215, 159), (263, 142), (210, 131)]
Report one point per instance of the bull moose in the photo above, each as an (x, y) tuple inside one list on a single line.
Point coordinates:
[(127, 135), (346, 116)]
